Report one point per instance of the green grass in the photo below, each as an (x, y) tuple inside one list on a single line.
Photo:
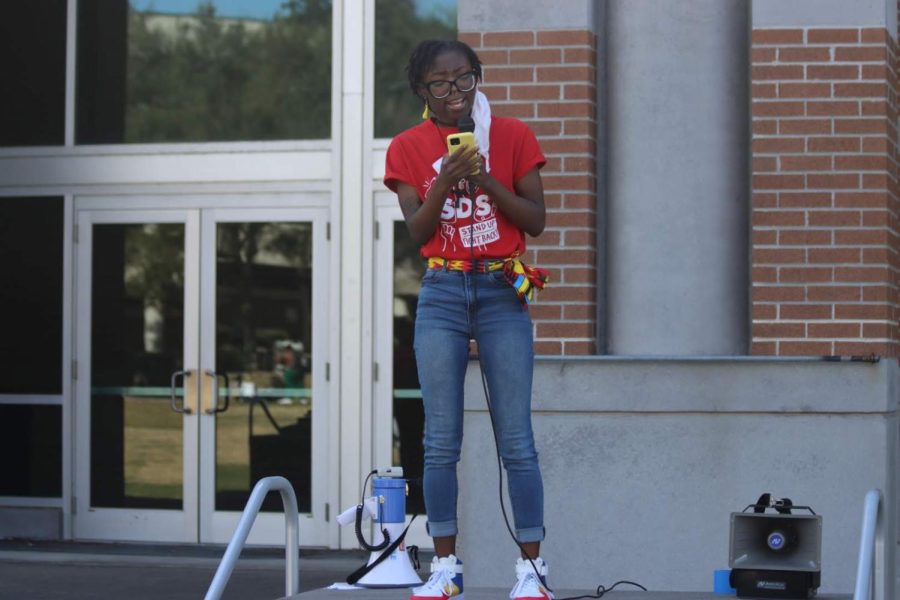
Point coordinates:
[(154, 445)]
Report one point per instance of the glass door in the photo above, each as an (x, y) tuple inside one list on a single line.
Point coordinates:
[(263, 338), (201, 345), (137, 301)]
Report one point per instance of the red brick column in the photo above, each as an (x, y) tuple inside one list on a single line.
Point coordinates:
[(825, 194), (548, 79)]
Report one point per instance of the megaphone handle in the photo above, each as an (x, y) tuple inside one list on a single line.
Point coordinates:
[(362, 540)]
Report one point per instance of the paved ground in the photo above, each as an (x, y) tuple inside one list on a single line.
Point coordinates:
[(85, 571), (94, 571)]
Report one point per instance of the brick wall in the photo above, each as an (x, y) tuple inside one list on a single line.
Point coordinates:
[(826, 235), (548, 79), (825, 193)]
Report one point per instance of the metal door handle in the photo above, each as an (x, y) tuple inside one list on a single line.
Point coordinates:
[(183, 409), (215, 407)]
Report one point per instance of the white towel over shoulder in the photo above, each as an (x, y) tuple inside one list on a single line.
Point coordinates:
[(481, 114)]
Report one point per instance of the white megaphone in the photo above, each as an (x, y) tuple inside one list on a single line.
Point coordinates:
[(389, 565)]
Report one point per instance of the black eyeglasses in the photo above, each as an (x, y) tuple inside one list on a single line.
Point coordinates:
[(441, 88)]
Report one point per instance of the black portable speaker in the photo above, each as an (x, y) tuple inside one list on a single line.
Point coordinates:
[(775, 555)]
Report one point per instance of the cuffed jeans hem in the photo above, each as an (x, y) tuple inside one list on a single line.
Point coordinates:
[(533, 534), (442, 529)]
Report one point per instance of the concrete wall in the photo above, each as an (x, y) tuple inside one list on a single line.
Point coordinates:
[(678, 185), (826, 13), (512, 15), (645, 459)]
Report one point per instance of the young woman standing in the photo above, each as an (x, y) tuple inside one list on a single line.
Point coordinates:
[(470, 211)]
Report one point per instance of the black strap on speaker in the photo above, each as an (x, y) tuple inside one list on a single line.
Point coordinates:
[(358, 574)]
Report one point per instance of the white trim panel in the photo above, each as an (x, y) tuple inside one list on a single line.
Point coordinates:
[(219, 200), (78, 169)]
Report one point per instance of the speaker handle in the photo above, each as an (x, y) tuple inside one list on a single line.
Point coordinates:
[(782, 506)]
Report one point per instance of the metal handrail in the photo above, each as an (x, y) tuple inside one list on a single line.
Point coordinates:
[(291, 537), (870, 574)]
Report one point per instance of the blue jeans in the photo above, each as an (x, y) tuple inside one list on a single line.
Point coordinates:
[(445, 322)]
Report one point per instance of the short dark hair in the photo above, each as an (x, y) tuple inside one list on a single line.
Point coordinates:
[(425, 53)]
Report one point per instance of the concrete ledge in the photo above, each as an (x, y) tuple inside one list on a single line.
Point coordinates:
[(707, 384)]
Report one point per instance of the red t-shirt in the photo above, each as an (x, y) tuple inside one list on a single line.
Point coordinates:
[(412, 159)]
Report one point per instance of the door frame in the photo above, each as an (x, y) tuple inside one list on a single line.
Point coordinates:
[(218, 526), (155, 525), (387, 213), (197, 521)]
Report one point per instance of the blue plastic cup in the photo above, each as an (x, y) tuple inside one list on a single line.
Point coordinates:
[(721, 583)]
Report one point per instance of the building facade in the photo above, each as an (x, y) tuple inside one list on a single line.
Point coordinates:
[(207, 279)]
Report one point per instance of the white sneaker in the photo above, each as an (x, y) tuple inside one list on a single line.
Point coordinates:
[(446, 580), (530, 584)]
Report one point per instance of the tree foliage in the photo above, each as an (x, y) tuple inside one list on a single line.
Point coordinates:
[(209, 78), (398, 28), (204, 77)]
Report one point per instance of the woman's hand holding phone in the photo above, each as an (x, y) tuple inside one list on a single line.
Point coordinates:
[(462, 159)]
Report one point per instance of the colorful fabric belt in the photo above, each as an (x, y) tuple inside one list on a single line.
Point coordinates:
[(478, 266), (523, 278)]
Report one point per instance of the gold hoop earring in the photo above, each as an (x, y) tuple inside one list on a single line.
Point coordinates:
[(425, 111)]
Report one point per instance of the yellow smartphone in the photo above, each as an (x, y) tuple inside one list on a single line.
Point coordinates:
[(463, 139)]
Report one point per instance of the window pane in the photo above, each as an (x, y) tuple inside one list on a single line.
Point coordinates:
[(264, 345), (189, 71), (31, 442), (137, 343), (399, 26), (31, 260), (34, 73)]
